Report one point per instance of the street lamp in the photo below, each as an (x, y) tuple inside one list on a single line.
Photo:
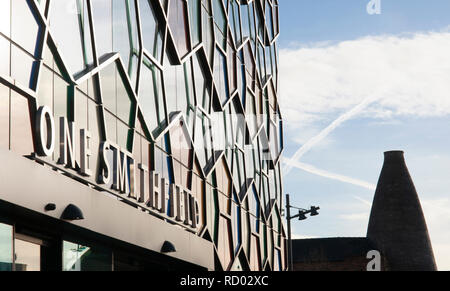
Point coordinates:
[(314, 211)]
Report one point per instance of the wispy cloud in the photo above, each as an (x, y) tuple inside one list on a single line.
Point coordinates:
[(325, 132), (313, 170), (381, 77), (408, 75)]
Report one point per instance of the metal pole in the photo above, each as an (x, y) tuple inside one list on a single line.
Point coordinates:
[(288, 218)]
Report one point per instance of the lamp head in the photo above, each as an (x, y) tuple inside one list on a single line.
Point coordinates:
[(72, 212), (301, 215), (314, 210), (168, 247)]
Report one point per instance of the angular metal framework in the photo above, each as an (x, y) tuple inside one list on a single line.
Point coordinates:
[(187, 86)]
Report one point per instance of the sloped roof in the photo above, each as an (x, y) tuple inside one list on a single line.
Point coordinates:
[(329, 249)]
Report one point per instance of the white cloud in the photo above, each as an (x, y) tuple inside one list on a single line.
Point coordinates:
[(408, 75)]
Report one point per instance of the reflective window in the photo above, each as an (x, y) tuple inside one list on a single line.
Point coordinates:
[(150, 30), (151, 98), (82, 258), (24, 26), (195, 20), (125, 30), (178, 25), (6, 247), (70, 28), (102, 13), (27, 256)]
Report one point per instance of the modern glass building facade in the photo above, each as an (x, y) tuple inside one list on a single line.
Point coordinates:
[(158, 119)]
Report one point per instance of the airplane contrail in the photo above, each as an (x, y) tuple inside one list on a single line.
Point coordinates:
[(329, 129), (313, 170)]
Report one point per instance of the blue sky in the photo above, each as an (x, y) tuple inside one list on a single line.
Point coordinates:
[(381, 81)]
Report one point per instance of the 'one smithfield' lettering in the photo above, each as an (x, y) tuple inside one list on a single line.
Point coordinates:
[(116, 167)]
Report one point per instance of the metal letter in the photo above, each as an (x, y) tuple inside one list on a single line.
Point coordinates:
[(85, 153), (105, 170), (173, 204), (44, 120), (155, 190), (120, 181), (180, 209), (164, 197), (192, 211), (66, 143), (186, 202), (143, 193)]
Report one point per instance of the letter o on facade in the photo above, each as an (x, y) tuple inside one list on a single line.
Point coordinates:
[(45, 132)]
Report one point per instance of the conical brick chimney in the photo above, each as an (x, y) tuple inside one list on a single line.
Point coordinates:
[(397, 225)]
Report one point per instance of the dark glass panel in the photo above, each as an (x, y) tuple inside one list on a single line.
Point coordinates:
[(221, 22), (70, 27), (102, 14), (255, 258), (221, 76), (124, 30), (208, 34), (151, 95), (124, 100), (225, 242), (151, 30), (269, 20), (233, 14), (81, 258), (179, 25), (237, 231), (195, 20)]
